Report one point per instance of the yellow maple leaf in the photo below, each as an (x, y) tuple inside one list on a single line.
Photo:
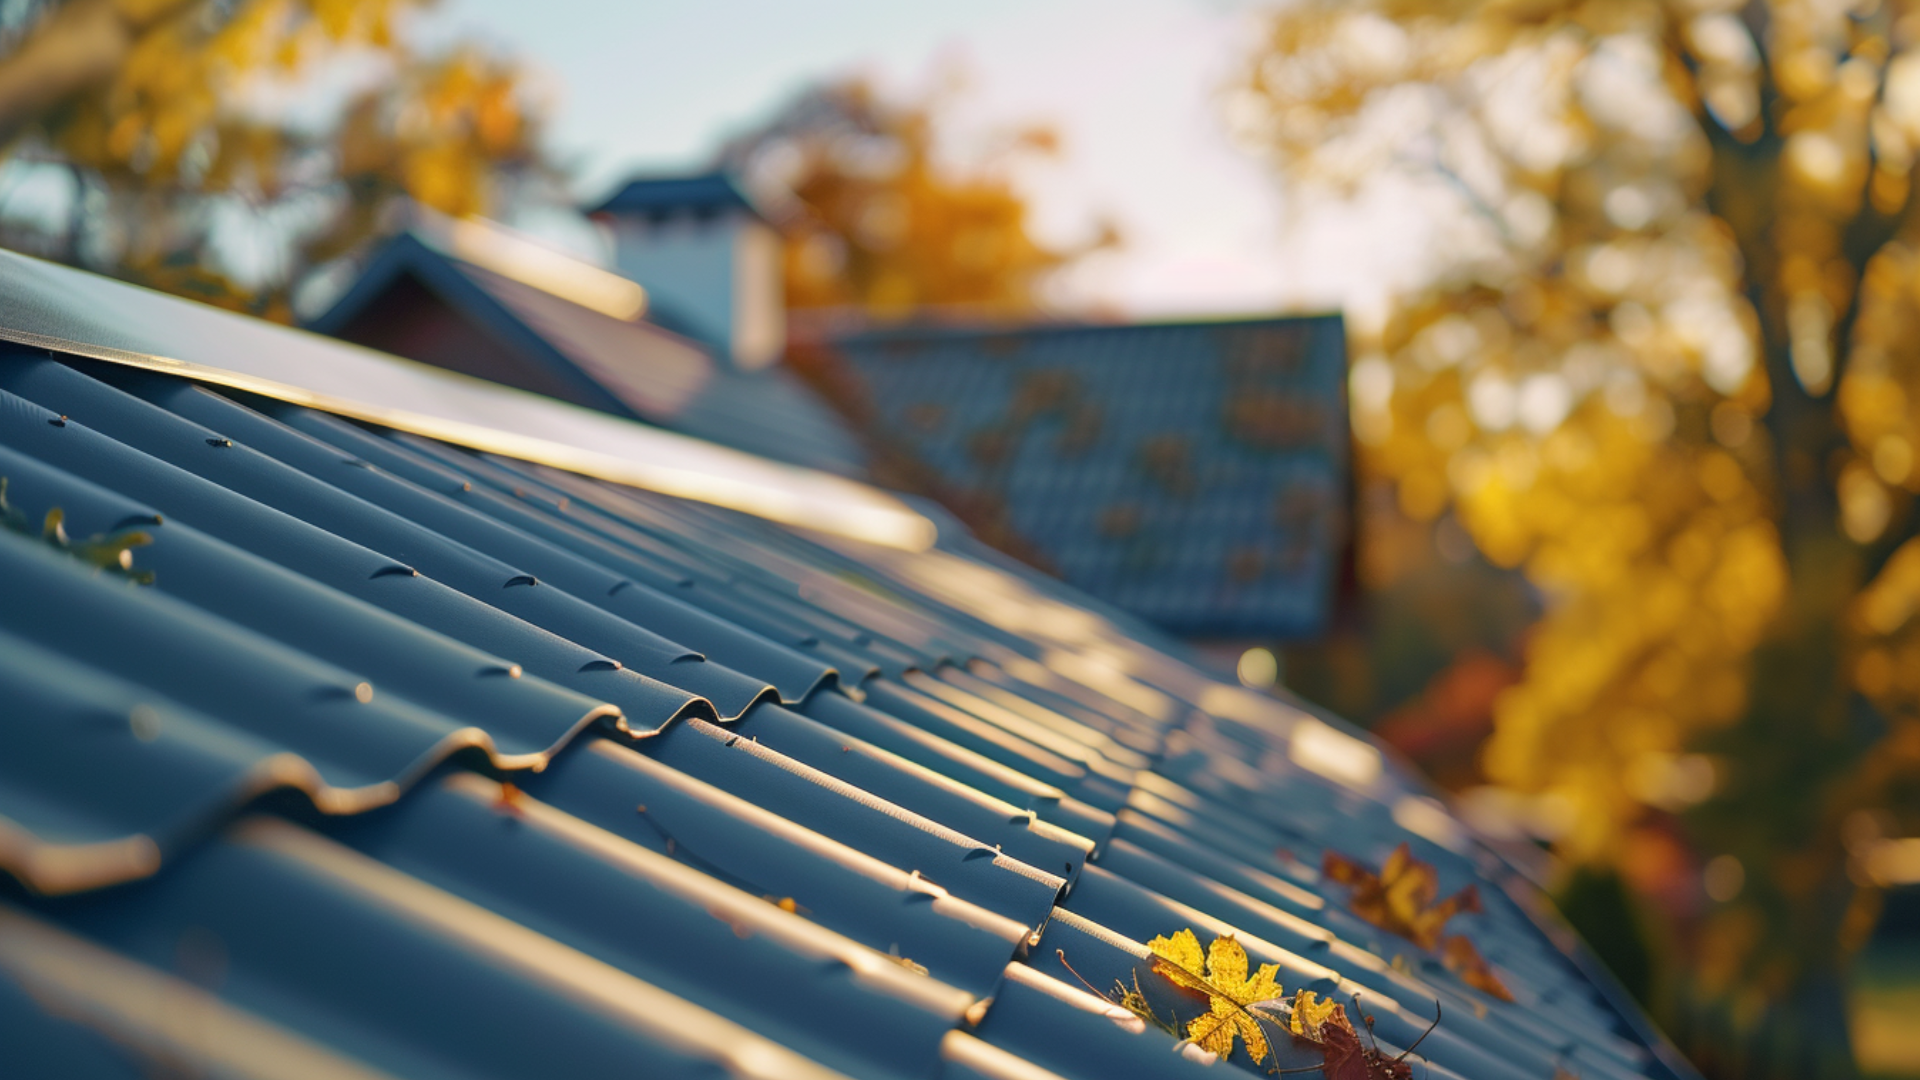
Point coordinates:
[(1225, 983), (1180, 959)]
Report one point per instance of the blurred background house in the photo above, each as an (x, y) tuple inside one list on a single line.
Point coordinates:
[(474, 297)]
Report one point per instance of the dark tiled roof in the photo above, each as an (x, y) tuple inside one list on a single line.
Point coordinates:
[(660, 196), (385, 757), (1193, 474)]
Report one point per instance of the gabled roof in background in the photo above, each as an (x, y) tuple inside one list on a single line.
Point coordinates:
[(1194, 474), (663, 196), (616, 365), (418, 298), (378, 755)]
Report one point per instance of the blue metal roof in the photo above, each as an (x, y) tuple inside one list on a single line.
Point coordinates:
[(1193, 474), (376, 756)]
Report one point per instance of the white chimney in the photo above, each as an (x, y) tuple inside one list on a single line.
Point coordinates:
[(709, 260)]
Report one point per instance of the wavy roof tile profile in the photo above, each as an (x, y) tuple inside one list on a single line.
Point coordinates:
[(372, 755)]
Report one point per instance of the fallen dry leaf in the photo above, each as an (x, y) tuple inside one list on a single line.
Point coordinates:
[(1228, 989), (1464, 960), (1400, 898), (1310, 1013), (1347, 1058)]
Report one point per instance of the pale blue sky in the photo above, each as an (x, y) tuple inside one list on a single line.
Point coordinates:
[(1132, 85)]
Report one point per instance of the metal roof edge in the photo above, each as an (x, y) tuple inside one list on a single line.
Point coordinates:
[(1545, 920), (43, 305)]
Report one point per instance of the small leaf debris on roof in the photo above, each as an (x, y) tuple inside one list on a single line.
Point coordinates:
[(1239, 1006), (1402, 899), (102, 551), (1346, 1057)]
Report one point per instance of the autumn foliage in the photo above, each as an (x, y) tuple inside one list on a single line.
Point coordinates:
[(879, 222), (1664, 367), (167, 113)]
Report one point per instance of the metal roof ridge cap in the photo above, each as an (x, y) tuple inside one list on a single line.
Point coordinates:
[(875, 523), (705, 472)]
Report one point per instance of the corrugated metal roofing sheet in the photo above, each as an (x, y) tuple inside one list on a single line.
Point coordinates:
[(1193, 474), (380, 757)]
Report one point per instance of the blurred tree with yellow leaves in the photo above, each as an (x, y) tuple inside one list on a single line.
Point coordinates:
[(167, 113), (1668, 367), (878, 223)]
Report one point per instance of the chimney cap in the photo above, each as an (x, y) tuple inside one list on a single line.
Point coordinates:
[(658, 197)]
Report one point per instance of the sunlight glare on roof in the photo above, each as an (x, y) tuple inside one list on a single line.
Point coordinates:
[(492, 247), (1334, 754)]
